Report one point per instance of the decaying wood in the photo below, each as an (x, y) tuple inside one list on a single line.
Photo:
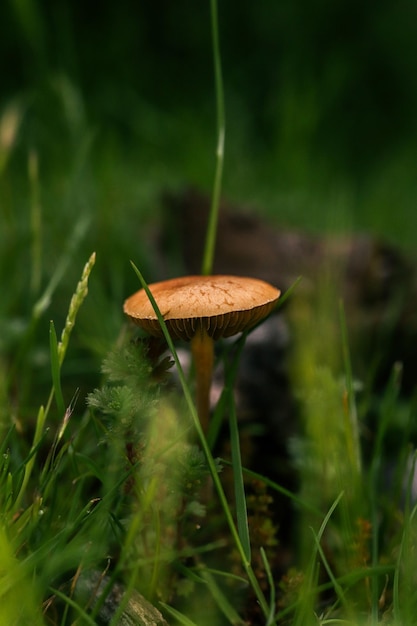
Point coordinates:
[(137, 611)]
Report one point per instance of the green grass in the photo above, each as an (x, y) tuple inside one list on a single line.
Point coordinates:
[(102, 466), (119, 486)]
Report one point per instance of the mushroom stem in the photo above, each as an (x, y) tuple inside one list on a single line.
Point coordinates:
[(202, 348)]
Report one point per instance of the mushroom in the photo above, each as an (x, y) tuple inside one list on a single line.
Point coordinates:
[(201, 309)]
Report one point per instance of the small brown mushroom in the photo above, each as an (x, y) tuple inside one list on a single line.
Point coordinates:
[(201, 309)]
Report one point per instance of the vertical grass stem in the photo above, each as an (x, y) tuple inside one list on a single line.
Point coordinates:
[(240, 498), (221, 133)]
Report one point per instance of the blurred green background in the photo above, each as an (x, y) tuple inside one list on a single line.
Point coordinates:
[(320, 97), (105, 105)]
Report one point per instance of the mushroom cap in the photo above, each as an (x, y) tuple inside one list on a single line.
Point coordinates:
[(219, 305)]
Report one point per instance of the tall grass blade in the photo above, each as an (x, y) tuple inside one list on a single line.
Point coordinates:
[(240, 498), (221, 133)]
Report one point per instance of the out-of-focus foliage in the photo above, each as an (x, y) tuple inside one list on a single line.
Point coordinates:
[(339, 76)]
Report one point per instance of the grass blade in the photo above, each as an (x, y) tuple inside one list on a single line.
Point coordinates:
[(221, 132), (297, 500), (222, 602), (75, 606), (56, 370), (77, 235), (77, 299), (240, 498), (180, 617), (271, 583), (308, 593)]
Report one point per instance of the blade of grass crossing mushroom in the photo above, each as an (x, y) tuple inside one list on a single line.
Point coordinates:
[(206, 449), (221, 133), (185, 387)]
